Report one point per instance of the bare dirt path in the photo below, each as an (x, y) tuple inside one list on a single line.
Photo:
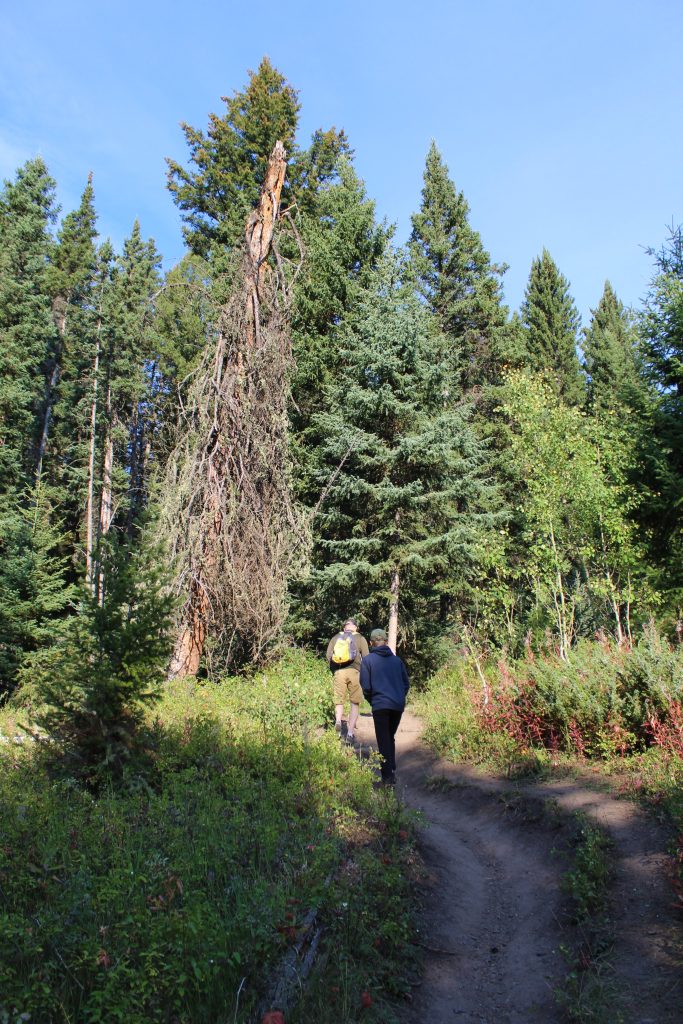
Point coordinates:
[(492, 920)]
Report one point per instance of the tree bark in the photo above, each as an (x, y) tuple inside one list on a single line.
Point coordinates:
[(393, 609), (223, 452), (90, 510)]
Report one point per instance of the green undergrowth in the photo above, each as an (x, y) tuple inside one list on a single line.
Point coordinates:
[(175, 896), (588, 994)]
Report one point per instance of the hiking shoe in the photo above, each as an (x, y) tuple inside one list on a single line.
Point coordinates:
[(350, 739), (338, 727)]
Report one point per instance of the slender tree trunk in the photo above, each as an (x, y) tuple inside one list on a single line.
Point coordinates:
[(90, 511), (393, 608), (106, 496), (560, 602)]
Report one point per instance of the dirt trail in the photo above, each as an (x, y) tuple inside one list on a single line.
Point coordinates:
[(492, 912)]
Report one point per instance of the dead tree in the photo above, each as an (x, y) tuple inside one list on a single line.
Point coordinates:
[(228, 510)]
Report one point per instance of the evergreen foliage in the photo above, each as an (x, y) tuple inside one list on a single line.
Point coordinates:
[(27, 331), (455, 277), (108, 666), (612, 360), (402, 471), (661, 328), (551, 322), (35, 593), (343, 244), (230, 159)]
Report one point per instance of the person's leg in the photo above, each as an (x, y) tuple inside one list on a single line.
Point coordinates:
[(384, 742), (339, 688), (394, 722), (353, 718), (355, 697)]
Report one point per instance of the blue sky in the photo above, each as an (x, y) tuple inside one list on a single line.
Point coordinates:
[(561, 122)]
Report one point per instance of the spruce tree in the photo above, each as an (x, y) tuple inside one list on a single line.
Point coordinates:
[(229, 160), (71, 278), (456, 278), (108, 666), (35, 593), (551, 322), (131, 369), (405, 501), (611, 355), (661, 331), (343, 244), (27, 331)]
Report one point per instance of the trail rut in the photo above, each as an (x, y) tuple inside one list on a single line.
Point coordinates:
[(492, 919)]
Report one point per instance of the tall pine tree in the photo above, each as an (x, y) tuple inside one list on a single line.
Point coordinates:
[(611, 355), (405, 500), (456, 278), (551, 322), (661, 330), (27, 331)]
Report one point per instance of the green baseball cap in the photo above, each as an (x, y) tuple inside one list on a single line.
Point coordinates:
[(378, 634)]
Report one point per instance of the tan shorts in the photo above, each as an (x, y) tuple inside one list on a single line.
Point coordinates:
[(347, 680)]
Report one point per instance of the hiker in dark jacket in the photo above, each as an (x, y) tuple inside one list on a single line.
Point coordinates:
[(385, 683)]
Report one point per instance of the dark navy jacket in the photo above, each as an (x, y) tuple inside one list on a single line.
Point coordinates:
[(384, 679)]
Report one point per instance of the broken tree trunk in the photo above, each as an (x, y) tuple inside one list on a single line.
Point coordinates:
[(228, 503)]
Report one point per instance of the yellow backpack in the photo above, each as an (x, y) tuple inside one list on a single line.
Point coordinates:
[(344, 650)]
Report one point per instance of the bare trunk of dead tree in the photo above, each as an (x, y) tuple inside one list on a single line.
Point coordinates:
[(393, 609), (106, 497), (90, 509), (235, 474)]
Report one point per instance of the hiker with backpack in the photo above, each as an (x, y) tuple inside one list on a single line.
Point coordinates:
[(345, 653), (384, 681)]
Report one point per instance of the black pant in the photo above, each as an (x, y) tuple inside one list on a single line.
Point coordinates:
[(386, 723)]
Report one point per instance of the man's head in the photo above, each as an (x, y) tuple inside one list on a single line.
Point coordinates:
[(378, 638), (350, 626)]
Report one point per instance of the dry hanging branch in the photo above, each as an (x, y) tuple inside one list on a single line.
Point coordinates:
[(228, 508)]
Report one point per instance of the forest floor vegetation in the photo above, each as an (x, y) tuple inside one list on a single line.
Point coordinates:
[(176, 895)]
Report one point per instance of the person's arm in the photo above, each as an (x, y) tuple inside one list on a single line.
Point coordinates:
[(363, 647), (366, 680), (330, 648)]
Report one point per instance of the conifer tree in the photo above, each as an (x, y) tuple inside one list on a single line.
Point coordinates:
[(405, 501), (109, 663), (611, 355), (35, 593), (132, 380), (551, 322), (70, 282), (661, 330), (27, 331), (229, 161), (343, 244), (456, 278)]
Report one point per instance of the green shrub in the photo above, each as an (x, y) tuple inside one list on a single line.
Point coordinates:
[(604, 701)]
